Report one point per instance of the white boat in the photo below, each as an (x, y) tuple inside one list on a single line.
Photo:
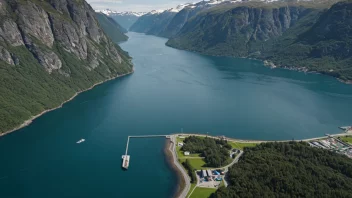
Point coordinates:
[(80, 141)]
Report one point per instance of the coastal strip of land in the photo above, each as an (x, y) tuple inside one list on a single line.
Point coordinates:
[(263, 141), (182, 192), (180, 176), (184, 185), (29, 121)]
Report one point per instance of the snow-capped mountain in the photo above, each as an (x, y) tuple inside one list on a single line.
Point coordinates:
[(125, 19), (126, 13)]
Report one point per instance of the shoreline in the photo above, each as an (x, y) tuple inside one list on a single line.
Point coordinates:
[(29, 121), (181, 183), (267, 63), (272, 65)]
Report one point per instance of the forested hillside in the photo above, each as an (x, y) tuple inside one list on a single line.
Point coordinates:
[(288, 170), (153, 23), (112, 28), (308, 35), (325, 47), (49, 50)]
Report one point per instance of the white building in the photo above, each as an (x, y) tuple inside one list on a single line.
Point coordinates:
[(180, 144), (186, 153)]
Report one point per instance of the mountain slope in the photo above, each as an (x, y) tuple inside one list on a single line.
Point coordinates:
[(112, 28), (325, 47), (50, 50), (291, 169), (126, 19), (235, 31), (153, 22), (181, 17), (302, 35), (169, 22)]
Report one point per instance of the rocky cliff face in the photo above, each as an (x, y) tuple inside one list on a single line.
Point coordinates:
[(181, 17), (326, 46), (313, 36), (236, 30), (56, 42)]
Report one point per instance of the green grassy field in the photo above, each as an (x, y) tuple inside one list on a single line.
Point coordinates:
[(195, 163), (347, 139), (240, 146), (202, 192), (181, 155), (191, 189)]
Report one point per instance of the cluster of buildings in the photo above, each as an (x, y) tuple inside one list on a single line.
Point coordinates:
[(333, 144), (211, 175)]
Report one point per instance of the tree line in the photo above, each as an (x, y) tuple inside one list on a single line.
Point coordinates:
[(291, 169), (216, 152)]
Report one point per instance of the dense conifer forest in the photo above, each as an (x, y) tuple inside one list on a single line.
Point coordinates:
[(289, 170)]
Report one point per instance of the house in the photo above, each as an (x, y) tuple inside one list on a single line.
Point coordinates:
[(204, 173), (186, 153), (209, 173)]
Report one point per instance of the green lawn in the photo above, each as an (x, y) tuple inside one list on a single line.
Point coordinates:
[(191, 189), (347, 139), (240, 145), (195, 163), (181, 155), (202, 192)]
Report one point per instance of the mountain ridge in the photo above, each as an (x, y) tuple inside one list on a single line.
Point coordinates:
[(51, 50), (279, 33)]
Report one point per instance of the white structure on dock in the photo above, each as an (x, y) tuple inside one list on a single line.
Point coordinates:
[(125, 161)]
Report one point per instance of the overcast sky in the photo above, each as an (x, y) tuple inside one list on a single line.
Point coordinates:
[(135, 5)]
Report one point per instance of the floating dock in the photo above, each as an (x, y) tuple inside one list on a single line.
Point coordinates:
[(126, 157), (125, 161)]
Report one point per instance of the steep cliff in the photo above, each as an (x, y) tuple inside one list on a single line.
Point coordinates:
[(237, 30), (153, 22), (325, 47), (114, 30), (49, 50), (181, 17)]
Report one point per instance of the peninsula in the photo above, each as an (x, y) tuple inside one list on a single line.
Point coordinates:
[(202, 162)]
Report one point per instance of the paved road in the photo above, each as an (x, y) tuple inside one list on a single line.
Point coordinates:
[(186, 178), (234, 161), (231, 164)]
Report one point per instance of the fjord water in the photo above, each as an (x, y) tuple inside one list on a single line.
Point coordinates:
[(170, 90)]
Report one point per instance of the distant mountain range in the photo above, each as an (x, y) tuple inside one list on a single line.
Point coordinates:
[(167, 23), (114, 30), (125, 19)]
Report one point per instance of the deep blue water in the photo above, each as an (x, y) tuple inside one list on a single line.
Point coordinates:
[(170, 90)]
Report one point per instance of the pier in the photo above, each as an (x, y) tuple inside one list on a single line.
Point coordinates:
[(126, 157)]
